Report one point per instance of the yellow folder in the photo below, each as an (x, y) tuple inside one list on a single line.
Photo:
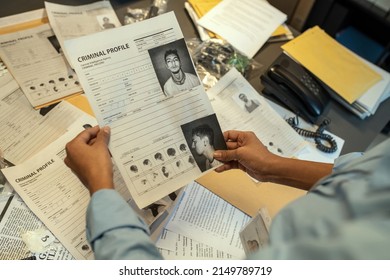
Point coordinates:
[(332, 63), (237, 188)]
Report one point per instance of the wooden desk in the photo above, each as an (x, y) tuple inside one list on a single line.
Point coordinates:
[(358, 134)]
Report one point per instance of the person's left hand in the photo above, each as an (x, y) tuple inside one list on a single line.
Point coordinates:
[(89, 158)]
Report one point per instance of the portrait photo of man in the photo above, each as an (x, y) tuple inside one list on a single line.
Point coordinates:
[(204, 136), (107, 24), (249, 104), (174, 68)]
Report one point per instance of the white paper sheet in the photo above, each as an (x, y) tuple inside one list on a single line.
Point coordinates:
[(123, 72), (58, 198), (373, 97), (205, 217), (269, 127), (246, 24), (74, 21), (22, 18), (24, 132), (7, 82), (175, 246), (54, 193), (35, 60)]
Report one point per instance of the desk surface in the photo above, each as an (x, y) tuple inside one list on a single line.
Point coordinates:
[(358, 134)]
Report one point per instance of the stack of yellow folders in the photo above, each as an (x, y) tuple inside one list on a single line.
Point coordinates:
[(356, 83)]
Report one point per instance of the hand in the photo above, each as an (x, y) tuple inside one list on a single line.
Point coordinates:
[(245, 152), (89, 158)]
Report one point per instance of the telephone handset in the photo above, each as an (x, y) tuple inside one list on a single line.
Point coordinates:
[(292, 85)]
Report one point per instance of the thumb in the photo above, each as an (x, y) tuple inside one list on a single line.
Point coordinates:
[(225, 155), (104, 135)]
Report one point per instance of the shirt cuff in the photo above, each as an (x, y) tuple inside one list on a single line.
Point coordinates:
[(107, 210)]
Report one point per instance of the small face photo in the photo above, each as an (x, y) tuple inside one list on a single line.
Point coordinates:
[(106, 22), (246, 102), (204, 136), (174, 68)]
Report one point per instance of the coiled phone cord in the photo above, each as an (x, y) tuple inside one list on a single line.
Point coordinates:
[(318, 135)]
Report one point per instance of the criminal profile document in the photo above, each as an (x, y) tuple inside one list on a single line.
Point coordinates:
[(128, 74)]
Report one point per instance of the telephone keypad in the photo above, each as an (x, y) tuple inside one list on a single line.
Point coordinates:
[(310, 83)]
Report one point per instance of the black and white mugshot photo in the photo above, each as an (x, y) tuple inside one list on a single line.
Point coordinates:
[(246, 102), (106, 22), (174, 68), (203, 137)]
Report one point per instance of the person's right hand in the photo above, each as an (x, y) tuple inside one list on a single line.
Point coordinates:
[(245, 152), (89, 158)]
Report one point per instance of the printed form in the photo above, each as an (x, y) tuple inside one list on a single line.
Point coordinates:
[(74, 21), (123, 73), (205, 217), (54, 193), (239, 107), (174, 246), (58, 198), (24, 132), (35, 59)]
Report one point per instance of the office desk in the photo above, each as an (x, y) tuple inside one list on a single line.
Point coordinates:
[(358, 134)]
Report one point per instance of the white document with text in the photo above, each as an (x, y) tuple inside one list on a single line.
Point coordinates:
[(57, 197), (174, 246), (246, 24), (7, 82), (54, 193), (70, 22), (205, 217), (230, 98), (123, 73), (35, 60), (24, 132)]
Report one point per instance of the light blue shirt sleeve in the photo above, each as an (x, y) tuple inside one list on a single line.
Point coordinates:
[(115, 231), (344, 216)]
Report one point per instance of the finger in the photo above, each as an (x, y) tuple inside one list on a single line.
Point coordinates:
[(225, 155), (86, 135), (66, 160), (225, 167), (231, 135), (103, 136), (232, 145)]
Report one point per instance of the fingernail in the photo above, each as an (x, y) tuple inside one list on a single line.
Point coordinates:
[(106, 129)]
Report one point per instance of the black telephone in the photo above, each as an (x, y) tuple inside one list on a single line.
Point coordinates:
[(292, 85)]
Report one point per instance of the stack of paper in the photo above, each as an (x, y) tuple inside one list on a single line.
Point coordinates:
[(357, 84), (33, 50), (246, 26), (198, 8)]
